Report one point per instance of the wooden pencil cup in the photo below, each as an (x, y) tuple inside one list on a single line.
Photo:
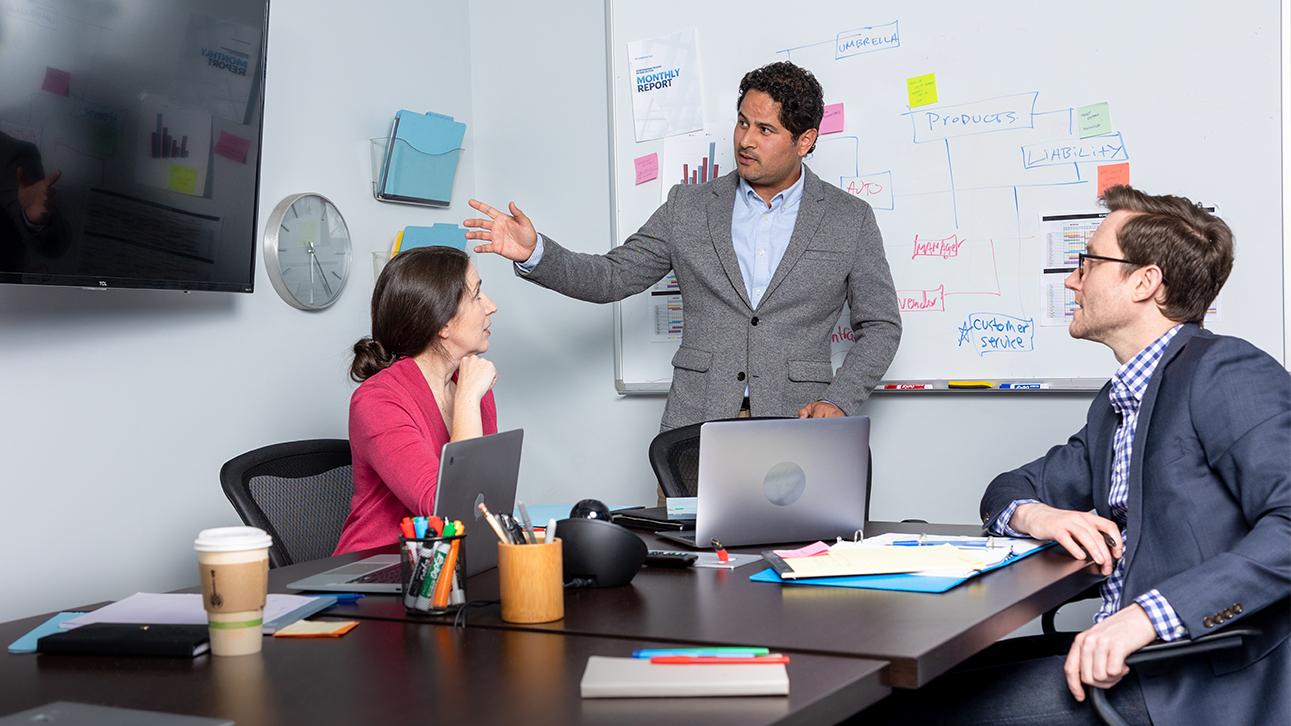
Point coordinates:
[(532, 582)]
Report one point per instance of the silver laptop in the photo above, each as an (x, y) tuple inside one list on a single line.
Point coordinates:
[(484, 469), (783, 480)]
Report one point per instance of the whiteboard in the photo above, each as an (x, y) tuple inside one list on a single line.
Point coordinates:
[(960, 186)]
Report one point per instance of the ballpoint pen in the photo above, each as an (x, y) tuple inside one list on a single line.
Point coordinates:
[(528, 525)]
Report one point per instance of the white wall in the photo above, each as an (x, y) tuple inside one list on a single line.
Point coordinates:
[(121, 406)]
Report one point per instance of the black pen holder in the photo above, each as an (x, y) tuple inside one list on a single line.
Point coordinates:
[(433, 572)]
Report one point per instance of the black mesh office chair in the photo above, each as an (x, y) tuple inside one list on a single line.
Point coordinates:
[(674, 456), (299, 492)]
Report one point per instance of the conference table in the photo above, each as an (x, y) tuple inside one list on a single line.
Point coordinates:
[(848, 648), (921, 635)]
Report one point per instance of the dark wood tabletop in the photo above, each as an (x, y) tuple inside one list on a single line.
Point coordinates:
[(921, 634), (396, 673)]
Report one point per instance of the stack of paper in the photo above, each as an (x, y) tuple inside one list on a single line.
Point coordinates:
[(186, 609), (876, 561)]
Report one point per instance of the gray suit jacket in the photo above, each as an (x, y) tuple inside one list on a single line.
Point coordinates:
[(1209, 522), (781, 350)]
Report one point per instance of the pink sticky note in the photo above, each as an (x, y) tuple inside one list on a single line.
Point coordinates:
[(647, 167), (232, 147), (56, 82), (811, 550), (832, 123), (1110, 175)]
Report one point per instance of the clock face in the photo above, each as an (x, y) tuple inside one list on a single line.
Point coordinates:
[(307, 251)]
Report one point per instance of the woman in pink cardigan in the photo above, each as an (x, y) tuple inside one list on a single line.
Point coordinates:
[(423, 385)]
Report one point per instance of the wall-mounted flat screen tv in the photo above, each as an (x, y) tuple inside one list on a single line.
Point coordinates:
[(130, 142)]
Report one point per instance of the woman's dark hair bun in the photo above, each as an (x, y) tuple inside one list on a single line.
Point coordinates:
[(370, 358)]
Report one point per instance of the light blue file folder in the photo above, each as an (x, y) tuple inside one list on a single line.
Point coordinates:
[(440, 234), (421, 159)]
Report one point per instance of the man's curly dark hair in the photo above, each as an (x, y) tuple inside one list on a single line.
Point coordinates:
[(801, 99)]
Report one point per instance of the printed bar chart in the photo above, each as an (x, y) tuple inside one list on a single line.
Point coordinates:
[(165, 146), (705, 171)]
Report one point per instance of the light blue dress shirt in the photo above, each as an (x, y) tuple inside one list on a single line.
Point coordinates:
[(760, 233)]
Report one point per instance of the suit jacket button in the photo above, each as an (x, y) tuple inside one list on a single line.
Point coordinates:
[(754, 320), (1208, 622), (1228, 613), (740, 376), (1237, 608)]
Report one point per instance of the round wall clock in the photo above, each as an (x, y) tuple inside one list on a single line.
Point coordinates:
[(307, 251)]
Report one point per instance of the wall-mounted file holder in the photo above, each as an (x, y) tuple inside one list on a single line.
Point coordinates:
[(417, 164)]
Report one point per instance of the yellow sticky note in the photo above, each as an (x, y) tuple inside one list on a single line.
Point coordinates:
[(308, 233), (922, 89), (316, 629), (183, 179)]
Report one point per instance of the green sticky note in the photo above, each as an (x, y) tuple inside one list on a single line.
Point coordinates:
[(308, 232), (1094, 120), (183, 179), (103, 141), (922, 89)]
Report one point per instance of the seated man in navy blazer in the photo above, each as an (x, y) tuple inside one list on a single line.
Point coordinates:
[(1185, 460)]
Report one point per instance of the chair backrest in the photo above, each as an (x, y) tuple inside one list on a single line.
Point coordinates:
[(299, 492), (674, 456)]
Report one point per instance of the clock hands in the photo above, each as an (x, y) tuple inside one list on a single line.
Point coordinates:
[(314, 257)]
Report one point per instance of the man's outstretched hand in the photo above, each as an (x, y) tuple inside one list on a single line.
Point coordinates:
[(510, 235)]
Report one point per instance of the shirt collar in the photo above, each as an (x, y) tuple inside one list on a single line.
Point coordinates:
[(789, 198), (1133, 377)]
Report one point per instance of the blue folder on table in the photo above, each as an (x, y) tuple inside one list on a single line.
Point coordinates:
[(421, 159), (902, 582)]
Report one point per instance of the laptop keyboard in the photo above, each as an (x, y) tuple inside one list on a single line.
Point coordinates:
[(382, 576)]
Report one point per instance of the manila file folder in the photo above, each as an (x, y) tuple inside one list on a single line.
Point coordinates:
[(421, 159)]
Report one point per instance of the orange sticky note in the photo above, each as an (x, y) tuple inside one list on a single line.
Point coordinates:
[(1112, 174)]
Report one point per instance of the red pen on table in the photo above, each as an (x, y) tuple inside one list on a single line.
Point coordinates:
[(708, 659)]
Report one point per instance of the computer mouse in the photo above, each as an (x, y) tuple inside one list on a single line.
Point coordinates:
[(590, 509)]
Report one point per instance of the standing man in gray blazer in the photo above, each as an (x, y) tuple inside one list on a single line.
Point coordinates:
[(765, 258)]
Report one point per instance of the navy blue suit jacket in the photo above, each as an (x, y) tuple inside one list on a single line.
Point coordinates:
[(1209, 522)]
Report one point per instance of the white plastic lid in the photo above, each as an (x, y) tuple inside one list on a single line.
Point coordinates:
[(232, 539)]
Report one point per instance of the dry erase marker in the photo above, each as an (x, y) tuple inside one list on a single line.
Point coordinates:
[(1031, 386), (969, 384), (907, 387), (726, 652), (719, 660)]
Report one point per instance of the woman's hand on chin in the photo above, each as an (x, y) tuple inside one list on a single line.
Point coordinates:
[(475, 376)]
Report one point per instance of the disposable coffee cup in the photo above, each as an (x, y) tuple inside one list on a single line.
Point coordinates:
[(234, 567)]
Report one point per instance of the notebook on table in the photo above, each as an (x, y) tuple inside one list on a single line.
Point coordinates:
[(483, 469), (780, 480)]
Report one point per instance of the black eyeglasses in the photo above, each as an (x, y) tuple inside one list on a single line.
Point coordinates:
[(1084, 256)]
